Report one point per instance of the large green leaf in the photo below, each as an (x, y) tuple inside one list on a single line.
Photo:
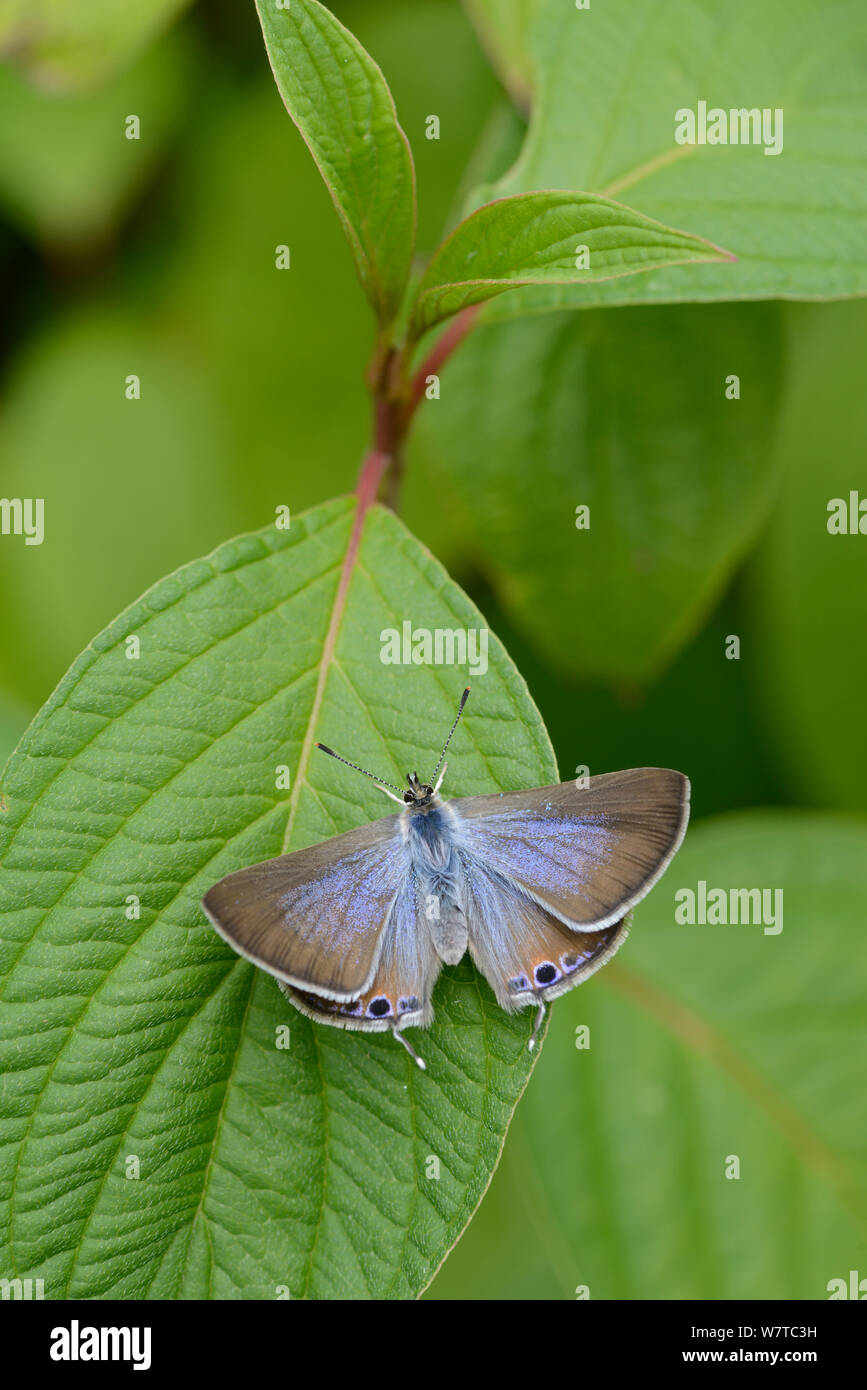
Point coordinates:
[(625, 414), (531, 240), (68, 47), (340, 101), (260, 1168), (808, 602), (608, 81), (705, 1042)]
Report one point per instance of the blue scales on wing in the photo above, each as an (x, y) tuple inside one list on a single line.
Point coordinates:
[(316, 919), (587, 854)]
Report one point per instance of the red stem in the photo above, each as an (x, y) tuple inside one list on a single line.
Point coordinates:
[(440, 354), (394, 410)]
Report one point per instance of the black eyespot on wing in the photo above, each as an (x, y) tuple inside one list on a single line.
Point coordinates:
[(546, 973), (379, 1008)]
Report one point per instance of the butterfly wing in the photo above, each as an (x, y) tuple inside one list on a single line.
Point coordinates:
[(399, 996), (586, 855), (316, 919), (527, 955)]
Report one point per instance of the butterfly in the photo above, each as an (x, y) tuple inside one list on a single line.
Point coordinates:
[(537, 885)]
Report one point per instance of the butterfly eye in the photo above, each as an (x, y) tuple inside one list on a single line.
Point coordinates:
[(546, 973), (379, 1008), (409, 797)]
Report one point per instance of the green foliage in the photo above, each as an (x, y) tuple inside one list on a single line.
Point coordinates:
[(153, 777), (706, 1042), (341, 103), (66, 47), (530, 239), (607, 82), (67, 175), (809, 588), (68, 400)]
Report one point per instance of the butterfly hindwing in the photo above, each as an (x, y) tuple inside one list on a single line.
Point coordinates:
[(527, 955), (586, 854), (399, 995), (315, 919)]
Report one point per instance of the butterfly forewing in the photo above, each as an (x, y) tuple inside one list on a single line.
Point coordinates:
[(316, 918), (586, 854)]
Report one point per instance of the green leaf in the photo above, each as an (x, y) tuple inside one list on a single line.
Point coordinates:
[(260, 1168), (66, 48), (341, 104), (535, 239), (705, 1042), (608, 82), (625, 414), (808, 596)]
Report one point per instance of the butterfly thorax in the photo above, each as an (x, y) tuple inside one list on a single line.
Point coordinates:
[(429, 828)]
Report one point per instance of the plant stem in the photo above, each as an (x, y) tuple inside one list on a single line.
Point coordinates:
[(396, 398), (440, 353)]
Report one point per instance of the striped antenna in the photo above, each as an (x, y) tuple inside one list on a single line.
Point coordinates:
[(331, 753), (464, 699)]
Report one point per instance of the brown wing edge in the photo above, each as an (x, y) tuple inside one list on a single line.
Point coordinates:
[(212, 912)]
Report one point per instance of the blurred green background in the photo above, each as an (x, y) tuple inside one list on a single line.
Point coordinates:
[(156, 257)]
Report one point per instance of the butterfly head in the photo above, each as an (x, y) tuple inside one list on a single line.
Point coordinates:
[(418, 794)]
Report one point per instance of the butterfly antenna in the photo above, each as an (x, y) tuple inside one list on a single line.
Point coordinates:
[(379, 780), (464, 699)]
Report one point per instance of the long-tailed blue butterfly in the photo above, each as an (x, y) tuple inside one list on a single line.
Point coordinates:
[(537, 885)]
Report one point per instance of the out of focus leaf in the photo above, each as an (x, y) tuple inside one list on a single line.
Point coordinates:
[(129, 486), (706, 1044), (67, 171), (65, 46), (625, 414), (262, 1168), (503, 27), (808, 612)]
